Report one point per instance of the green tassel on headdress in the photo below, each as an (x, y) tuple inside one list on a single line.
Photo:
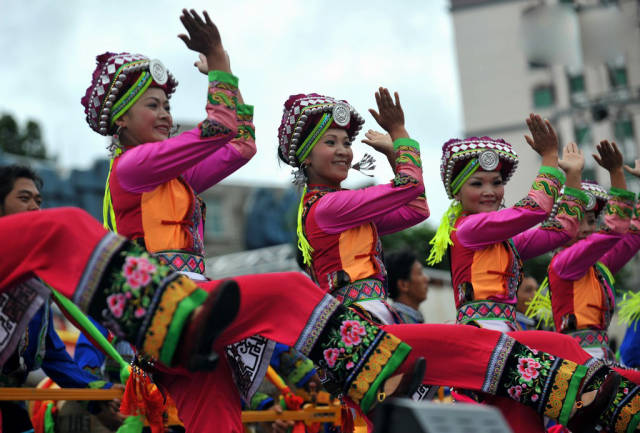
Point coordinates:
[(442, 239), (108, 214), (303, 243), (629, 309), (540, 305)]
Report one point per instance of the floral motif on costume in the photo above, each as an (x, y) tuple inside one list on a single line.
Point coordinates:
[(140, 302), (212, 128), (527, 203), (402, 179), (354, 354), (352, 332), (552, 224), (138, 271), (246, 132), (549, 184), (218, 97)]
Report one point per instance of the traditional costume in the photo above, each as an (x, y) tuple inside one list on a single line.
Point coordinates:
[(486, 249), (115, 280), (339, 230), (581, 276)]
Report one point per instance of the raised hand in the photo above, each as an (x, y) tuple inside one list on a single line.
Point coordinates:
[(572, 163), (204, 38), (389, 115), (544, 139), (635, 170), (379, 141), (610, 158)]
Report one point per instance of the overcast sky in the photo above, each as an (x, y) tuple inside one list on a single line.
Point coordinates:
[(342, 48)]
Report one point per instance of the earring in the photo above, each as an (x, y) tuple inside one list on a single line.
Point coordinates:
[(299, 176), (502, 205), (115, 147)]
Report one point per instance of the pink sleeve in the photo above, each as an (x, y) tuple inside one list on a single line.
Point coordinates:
[(391, 207), (555, 231), (481, 230), (229, 158), (572, 262), (624, 250), (144, 167)]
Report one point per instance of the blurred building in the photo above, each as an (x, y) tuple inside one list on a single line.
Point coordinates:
[(587, 100)]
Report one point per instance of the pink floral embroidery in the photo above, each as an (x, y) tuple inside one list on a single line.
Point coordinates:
[(351, 332), (331, 356), (116, 304), (515, 392), (534, 398), (350, 365), (137, 271), (139, 312), (528, 368)]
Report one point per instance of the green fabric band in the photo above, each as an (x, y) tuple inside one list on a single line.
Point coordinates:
[(398, 357), (223, 77), (244, 110), (184, 309), (633, 424), (553, 171), (472, 166), (406, 141), (622, 194), (572, 393), (131, 96), (576, 193), (307, 146)]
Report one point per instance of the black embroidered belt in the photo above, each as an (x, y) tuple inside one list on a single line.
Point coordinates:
[(485, 310), (360, 290), (182, 261)]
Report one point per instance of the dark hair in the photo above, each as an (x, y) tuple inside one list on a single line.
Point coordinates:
[(9, 174), (398, 266)]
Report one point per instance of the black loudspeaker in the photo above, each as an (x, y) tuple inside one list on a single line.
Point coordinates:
[(406, 416)]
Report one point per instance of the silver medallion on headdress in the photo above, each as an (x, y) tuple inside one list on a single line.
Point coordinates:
[(341, 114), (591, 202), (158, 72), (489, 160)]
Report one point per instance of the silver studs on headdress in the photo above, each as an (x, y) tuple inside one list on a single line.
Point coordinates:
[(341, 114), (591, 202), (158, 72), (488, 160)]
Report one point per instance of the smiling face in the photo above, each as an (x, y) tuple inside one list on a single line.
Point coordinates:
[(482, 192), (148, 120), (330, 160)]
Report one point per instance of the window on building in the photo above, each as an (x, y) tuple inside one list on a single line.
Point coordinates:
[(583, 135), (623, 132), (543, 97), (576, 83), (618, 76), (214, 224)]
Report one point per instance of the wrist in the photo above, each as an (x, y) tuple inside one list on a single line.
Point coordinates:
[(574, 179), (398, 132), (550, 160)]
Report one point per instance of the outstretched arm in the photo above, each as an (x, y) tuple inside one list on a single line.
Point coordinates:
[(483, 229), (145, 167), (391, 207)]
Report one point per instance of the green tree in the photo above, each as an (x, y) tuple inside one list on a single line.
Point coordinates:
[(415, 239), (25, 141)]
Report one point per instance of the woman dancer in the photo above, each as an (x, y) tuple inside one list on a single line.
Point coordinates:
[(581, 275), (151, 194), (487, 245), (338, 229), (70, 251)]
